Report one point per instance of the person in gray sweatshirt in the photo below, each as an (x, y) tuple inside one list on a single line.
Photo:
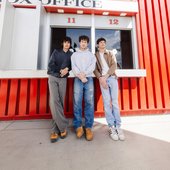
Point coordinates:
[(83, 64)]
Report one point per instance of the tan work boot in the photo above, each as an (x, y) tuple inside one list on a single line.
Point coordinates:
[(63, 134), (89, 134), (54, 137), (79, 132)]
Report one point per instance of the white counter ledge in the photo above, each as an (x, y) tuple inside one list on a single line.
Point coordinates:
[(10, 74)]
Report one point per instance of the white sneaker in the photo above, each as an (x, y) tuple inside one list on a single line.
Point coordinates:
[(113, 133), (120, 134)]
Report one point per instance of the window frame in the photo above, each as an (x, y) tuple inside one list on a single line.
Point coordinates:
[(133, 37)]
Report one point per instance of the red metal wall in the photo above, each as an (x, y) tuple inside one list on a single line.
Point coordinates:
[(29, 98), (153, 32)]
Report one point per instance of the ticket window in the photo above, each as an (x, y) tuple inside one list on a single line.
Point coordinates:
[(119, 42), (73, 33), (119, 33)]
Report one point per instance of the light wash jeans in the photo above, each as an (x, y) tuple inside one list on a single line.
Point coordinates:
[(110, 99), (86, 89)]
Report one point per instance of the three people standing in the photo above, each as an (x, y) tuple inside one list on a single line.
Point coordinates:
[(83, 63)]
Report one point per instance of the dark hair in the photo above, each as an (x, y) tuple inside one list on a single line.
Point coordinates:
[(101, 39), (66, 39), (84, 37)]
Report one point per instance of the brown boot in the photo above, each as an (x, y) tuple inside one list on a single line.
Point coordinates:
[(63, 134), (79, 132), (54, 137), (89, 134)]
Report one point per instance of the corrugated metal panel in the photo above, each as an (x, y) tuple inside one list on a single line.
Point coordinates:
[(155, 45), (29, 98)]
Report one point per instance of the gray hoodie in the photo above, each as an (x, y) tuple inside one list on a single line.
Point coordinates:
[(83, 61)]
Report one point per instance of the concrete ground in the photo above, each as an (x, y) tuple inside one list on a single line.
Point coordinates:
[(25, 145)]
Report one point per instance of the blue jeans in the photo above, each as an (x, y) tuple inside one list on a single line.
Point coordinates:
[(110, 99), (86, 89)]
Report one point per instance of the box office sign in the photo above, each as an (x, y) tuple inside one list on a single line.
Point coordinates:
[(116, 5), (66, 3)]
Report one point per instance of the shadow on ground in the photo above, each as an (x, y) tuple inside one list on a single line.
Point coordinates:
[(25, 145)]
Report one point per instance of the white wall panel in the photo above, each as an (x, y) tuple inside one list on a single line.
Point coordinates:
[(44, 40), (6, 31), (24, 51)]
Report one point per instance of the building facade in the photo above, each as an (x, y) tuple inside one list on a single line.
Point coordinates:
[(137, 31)]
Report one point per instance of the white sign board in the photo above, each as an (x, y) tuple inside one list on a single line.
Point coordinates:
[(109, 5)]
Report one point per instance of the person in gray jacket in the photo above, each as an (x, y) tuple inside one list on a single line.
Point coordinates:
[(83, 64)]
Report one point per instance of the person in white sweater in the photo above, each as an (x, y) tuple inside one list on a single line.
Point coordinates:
[(83, 64)]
